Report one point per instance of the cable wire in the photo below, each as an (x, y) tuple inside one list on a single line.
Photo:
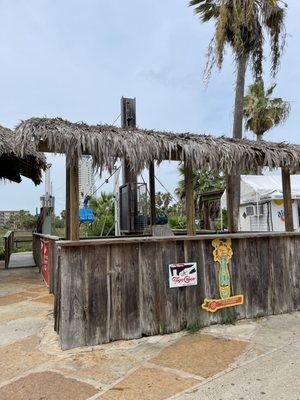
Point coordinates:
[(116, 119), (106, 180), (166, 190)]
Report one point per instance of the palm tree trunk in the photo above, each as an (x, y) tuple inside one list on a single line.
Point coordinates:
[(234, 180)]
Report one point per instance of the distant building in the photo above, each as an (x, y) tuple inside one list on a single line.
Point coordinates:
[(262, 207), (86, 178), (6, 214)]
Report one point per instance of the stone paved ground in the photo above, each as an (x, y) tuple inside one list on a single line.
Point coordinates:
[(251, 360)]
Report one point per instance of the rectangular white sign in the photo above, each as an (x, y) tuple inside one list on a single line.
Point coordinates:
[(183, 274)]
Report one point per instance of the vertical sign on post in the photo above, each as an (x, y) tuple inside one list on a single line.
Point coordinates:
[(222, 255), (45, 260)]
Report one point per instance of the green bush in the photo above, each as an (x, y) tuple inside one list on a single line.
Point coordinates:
[(177, 221)]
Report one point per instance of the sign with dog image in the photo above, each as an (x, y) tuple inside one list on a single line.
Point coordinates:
[(183, 274)]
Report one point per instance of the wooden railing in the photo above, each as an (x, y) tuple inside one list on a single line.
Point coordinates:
[(37, 238), (8, 246)]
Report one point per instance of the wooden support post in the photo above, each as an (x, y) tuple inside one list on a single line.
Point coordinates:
[(128, 120), (287, 199), (67, 233), (73, 218), (189, 198), (233, 189), (152, 193)]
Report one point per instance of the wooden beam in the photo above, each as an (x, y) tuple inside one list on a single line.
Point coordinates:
[(74, 199), (152, 193), (287, 199), (189, 198)]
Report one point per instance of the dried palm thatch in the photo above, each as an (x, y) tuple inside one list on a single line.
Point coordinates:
[(106, 143), (16, 161)]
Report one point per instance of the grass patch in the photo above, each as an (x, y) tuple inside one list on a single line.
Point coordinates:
[(22, 249), (162, 328), (194, 327), (230, 318), (259, 315)]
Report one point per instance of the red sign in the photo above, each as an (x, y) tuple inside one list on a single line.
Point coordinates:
[(45, 261), (213, 305)]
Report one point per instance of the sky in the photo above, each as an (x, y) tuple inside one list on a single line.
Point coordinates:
[(75, 59)]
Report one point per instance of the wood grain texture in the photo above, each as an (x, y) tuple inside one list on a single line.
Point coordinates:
[(287, 199), (189, 198), (113, 291)]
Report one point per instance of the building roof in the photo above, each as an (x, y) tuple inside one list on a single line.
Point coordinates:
[(257, 188), (17, 160), (106, 143), (266, 187)]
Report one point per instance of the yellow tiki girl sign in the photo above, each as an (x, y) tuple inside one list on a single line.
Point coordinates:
[(222, 254)]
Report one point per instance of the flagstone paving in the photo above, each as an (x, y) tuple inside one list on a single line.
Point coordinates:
[(248, 361)]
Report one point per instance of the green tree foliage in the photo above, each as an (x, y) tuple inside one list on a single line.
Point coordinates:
[(162, 202), (261, 111), (243, 25), (58, 223), (104, 211), (204, 181), (21, 220)]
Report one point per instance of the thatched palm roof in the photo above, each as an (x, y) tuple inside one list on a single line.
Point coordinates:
[(16, 160), (105, 143)]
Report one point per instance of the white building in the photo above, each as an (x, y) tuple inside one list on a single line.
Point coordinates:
[(86, 178), (262, 206)]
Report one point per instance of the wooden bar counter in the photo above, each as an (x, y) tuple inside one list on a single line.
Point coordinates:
[(112, 289)]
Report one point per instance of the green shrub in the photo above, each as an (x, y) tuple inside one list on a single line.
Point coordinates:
[(177, 221), (194, 327), (230, 318)]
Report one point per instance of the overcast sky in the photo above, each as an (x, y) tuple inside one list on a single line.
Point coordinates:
[(75, 59)]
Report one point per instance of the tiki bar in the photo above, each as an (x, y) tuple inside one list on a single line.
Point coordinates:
[(139, 283)]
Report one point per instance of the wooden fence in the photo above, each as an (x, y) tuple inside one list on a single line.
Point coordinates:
[(118, 289), (8, 246)]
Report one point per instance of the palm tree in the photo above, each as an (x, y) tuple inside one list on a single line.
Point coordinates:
[(242, 25), (103, 208), (261, 111), (204, 181)]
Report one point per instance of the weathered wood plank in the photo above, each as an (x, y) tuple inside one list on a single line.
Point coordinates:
[(149, 290), (124, 292), (168, 297), (96, 295), (157, 239), (72, 313), (117, 291)]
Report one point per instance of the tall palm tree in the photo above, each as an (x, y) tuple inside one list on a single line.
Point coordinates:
[(261, 111), (242, 24)]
